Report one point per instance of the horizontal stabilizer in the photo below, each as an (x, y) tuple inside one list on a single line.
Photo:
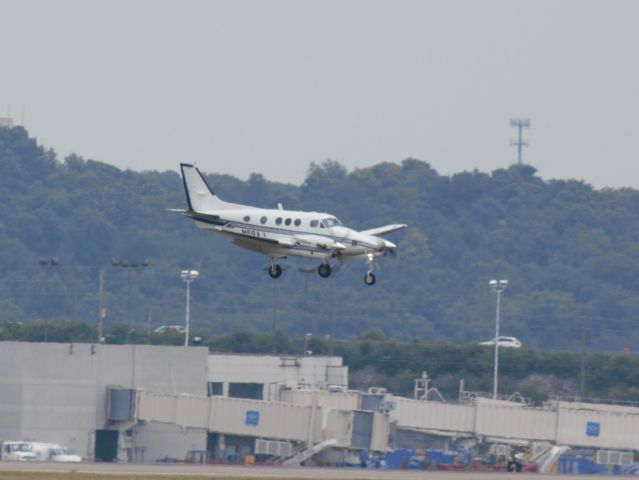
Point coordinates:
[(385, 229)]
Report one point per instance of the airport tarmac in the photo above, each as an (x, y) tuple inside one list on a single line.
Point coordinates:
[(258, 472)]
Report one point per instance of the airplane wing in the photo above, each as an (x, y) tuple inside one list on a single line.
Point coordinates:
[(236, 232), (317, 241), (385, 229), (310, 241)]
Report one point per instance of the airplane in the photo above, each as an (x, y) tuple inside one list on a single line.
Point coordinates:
[(280, 233)]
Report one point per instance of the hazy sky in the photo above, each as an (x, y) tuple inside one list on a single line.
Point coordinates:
[(270, 86)]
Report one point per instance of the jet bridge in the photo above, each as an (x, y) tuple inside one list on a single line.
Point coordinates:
[(308, 424)]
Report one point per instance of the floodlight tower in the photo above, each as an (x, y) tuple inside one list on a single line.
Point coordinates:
[(519, 124), (188, 276), (47, 263), (497, 287), (129, 266)]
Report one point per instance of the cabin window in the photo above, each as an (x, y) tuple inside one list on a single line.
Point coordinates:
[(247, 218), (278, 220), (297, 222), (263, 220), (314, 223), (288, 221)]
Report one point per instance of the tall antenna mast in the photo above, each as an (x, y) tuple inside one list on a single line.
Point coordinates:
[(519, 124)]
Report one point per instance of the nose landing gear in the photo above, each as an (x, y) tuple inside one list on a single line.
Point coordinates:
[(369, 278)]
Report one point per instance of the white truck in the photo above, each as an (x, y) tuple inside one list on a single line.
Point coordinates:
[(37, 451), (17, 451)]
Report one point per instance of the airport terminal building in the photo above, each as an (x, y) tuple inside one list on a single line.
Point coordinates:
[(144, 403), (83, 395)]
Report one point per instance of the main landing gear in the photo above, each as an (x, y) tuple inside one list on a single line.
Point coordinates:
[(324, 270), (275, 271)]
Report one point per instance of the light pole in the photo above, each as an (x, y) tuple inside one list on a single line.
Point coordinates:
[(188, 276), (497, 287), (306, 270), (129, 266), (47, 263)]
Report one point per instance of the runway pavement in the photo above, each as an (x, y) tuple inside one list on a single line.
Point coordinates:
[(259, 472)]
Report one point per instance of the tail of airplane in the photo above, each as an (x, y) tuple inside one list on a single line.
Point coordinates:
[(199, 194)]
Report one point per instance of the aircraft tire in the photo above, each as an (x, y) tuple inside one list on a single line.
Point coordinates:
[(275, 271), (324, 270), (369, 279)]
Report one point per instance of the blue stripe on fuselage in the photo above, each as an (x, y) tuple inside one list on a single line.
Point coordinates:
[(279, 231)]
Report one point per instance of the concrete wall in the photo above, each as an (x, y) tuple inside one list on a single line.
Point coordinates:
[(272, 370), (154, 441), (56, 392)]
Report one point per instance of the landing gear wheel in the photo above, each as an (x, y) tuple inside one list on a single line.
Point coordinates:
[(275, 271), (324, 270), (369, 278)]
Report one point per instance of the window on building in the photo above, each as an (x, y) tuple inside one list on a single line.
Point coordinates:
[(215, 389), (246, 390)]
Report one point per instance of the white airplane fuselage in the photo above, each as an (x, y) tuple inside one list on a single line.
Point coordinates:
[(281, 233)]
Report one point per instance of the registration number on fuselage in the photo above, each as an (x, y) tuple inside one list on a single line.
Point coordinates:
[(253, 233)]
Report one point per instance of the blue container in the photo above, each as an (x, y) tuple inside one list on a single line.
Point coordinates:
[(398, 458), (438, 456)]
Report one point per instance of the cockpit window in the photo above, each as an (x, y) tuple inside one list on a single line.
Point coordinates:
[(331, 222), (314, 223)]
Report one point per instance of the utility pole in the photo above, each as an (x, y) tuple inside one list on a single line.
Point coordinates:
[(582, 376), (129, 266), (519, 124), (101, 311), (75, 293)]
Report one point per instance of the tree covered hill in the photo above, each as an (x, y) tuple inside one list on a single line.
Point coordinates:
[(569, 251)]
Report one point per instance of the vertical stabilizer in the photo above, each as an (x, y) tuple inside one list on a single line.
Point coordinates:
[(199, 195)]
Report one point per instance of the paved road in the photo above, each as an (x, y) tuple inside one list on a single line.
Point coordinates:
[(212, 471)]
